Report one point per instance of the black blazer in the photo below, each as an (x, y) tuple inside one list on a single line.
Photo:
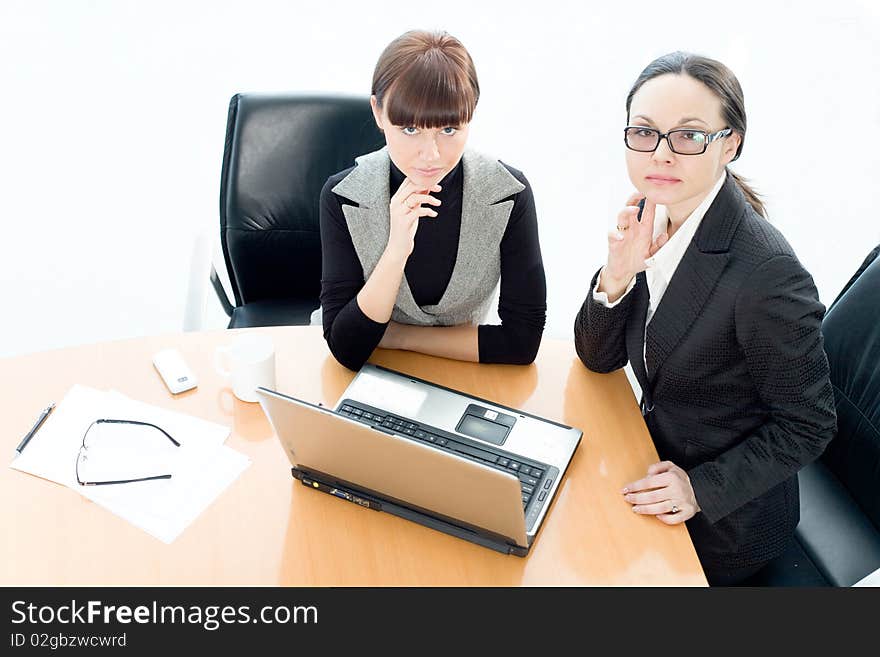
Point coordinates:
[(736, 391)]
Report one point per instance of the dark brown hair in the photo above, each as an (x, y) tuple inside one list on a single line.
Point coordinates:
[(428, 80), (723, 83)]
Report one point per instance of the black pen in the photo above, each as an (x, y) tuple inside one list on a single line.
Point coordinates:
[(37, 425)]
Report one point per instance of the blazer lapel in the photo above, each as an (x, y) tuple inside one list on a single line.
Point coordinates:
[(635, 334), (483, 221), (695, 277), (368, 185)]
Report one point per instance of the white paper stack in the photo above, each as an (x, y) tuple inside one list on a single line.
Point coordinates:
[(201, 468)]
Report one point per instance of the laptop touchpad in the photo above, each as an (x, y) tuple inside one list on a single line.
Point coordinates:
[(485, 424)]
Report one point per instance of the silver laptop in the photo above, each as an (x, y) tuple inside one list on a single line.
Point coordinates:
[(447, 460)]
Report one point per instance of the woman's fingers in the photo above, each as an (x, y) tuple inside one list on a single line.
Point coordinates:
[(675, 518), (662, 238), (625, 218), (415, 200), (629, 244), (648, 217), (650, 497), (647, 210), (408, 204), (634, 198), (648, 483), (670, 511), (422, 212), (661, 466), (408, 187), (411, 219), (665, 507), (664, 493)]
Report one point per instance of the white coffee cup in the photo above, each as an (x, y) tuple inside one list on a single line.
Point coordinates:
[(248, 361)]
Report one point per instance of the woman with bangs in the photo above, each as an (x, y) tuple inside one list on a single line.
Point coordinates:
[(416, 236), (720, 321)]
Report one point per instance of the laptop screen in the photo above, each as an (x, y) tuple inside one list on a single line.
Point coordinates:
[(399, 469)]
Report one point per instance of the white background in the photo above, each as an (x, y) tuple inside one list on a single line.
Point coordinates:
[(113, 117)]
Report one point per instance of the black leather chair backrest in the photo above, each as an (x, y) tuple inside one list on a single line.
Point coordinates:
[(279, 152), (852, 342)]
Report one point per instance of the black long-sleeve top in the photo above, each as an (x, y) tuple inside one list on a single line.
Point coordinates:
[(522, 305)]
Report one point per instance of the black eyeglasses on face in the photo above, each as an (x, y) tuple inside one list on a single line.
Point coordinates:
[(683, 141), (82, 456)]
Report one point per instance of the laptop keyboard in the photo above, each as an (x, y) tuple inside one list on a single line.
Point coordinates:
[(535, 478)]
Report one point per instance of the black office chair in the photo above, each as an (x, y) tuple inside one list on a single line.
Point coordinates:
[(837, 541), (279, 152)]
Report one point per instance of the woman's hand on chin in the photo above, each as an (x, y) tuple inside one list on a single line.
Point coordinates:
[(629, 245), (406, 207)]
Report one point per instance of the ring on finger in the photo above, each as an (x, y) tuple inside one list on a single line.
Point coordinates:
[(675, 508), (622, 228)]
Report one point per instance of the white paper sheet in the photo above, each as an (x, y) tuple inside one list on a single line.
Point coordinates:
[(202, 467)]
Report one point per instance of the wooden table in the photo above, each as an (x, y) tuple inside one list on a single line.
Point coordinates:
[(267, 528)]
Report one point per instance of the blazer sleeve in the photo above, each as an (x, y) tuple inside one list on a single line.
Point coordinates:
[(600, 331), (778, 327)]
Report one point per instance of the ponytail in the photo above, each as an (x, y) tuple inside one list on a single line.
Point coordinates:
[(751, 195)]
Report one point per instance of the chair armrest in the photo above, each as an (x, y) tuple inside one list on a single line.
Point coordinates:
[(221, 293), (194, 310), (201, 272)]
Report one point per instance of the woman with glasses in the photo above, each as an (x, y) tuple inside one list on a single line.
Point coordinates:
[(415, 237), (719, 320)]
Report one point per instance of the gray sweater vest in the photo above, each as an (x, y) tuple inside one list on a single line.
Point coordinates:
[(483, 222)]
